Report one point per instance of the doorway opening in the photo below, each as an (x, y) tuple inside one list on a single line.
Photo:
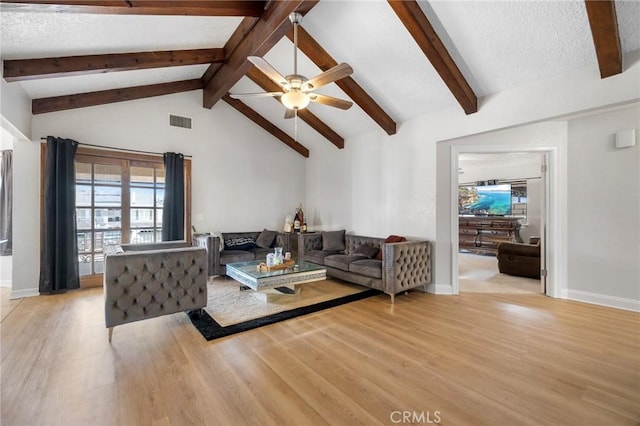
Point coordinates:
[(500, 221)]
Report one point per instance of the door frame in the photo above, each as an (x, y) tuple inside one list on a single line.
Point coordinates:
[(554, 208)]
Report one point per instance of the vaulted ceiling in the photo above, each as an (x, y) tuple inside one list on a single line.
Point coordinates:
[(409, 58)]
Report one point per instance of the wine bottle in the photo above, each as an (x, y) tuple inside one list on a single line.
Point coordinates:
[(296, 221)]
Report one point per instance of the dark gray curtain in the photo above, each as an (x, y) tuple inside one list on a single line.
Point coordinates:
[(173, 207), (6, 202), (59, 256)]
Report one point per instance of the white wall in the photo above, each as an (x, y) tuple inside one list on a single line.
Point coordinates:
[(15, 106), (604, 210), (391, 181), (243, 178), (545, 136), (534, 210)]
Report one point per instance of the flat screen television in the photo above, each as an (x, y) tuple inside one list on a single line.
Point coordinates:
[(485, 200)]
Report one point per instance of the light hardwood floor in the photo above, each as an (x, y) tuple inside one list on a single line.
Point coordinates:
[(480, 274), (496, 359)]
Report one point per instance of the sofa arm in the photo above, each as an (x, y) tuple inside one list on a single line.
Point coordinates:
[(307, 242), (212, 245), (405, 266)]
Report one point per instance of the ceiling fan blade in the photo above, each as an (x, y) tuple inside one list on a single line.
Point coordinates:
[(256, 95), (268, 70), (330, 100), (329, 76), (289, 113)]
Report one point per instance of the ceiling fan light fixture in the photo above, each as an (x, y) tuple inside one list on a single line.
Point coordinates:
[(295, 99)]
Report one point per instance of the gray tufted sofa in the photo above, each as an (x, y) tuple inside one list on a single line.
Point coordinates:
[(149, 280), (404, 265), (218, 259)]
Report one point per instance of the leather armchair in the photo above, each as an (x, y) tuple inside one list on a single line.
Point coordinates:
[(519, 259)]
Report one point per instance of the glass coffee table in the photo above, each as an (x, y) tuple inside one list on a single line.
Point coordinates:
[(277, 282)]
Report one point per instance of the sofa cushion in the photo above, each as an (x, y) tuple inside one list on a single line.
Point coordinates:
[(342, 261), (233, 256), (367, 267), (266, 238), (239, 243), (317, 256), (391, 239), (260, 253), (333, 240), (367, 250)]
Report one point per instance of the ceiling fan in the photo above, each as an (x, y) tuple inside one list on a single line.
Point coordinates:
[(298, 90)]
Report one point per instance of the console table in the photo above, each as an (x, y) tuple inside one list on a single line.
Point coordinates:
[(483, 234)]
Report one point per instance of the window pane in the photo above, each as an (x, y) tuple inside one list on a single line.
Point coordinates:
[(107, 218), (83, 218), (142, 197), (159, 197), (107, 173), (98, 263), (141, 218), (83, 195), (159, 218), (84, 264), (142, 176), (84, 242), (83, 172), (106, 238), (139, 236), (107, 196)]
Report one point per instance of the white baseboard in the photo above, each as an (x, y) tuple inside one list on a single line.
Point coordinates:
[(602, 299), (5, 283), (440, 289), (29, 292)]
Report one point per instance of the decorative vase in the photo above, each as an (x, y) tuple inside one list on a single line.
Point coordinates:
[(279, 259)]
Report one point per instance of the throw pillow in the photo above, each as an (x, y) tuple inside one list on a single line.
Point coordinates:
[(265, 239), (391, 239), (333, 240), (241, 243), (367, 250)]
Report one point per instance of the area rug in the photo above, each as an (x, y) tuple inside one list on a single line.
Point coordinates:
[(231, 311)]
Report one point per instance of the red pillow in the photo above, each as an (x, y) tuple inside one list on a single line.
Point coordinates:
[(391, 239)]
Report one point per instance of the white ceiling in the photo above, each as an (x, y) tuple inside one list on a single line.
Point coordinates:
[(496, 44)]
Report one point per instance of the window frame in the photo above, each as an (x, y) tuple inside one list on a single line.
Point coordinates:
[(125, 160)]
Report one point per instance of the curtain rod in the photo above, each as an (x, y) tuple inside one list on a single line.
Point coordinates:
[(121, 149)]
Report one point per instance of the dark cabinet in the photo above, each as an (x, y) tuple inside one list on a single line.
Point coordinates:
[(483, 234)]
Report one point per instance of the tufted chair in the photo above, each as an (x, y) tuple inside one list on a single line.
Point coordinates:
[(162, 279)]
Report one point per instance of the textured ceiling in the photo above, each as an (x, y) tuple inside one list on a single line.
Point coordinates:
[(496, 44)]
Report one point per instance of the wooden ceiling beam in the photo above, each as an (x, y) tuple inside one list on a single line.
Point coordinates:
[(267, 31), (238, 35), (314, 51), (266, 125), (140, 7), (604, 29), (418, 25), (307, 116), (80, 100), (29, 69)]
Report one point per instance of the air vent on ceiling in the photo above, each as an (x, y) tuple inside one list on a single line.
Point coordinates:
[(178, 121)]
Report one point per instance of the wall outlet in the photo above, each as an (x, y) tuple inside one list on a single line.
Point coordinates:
[(199, 217)]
